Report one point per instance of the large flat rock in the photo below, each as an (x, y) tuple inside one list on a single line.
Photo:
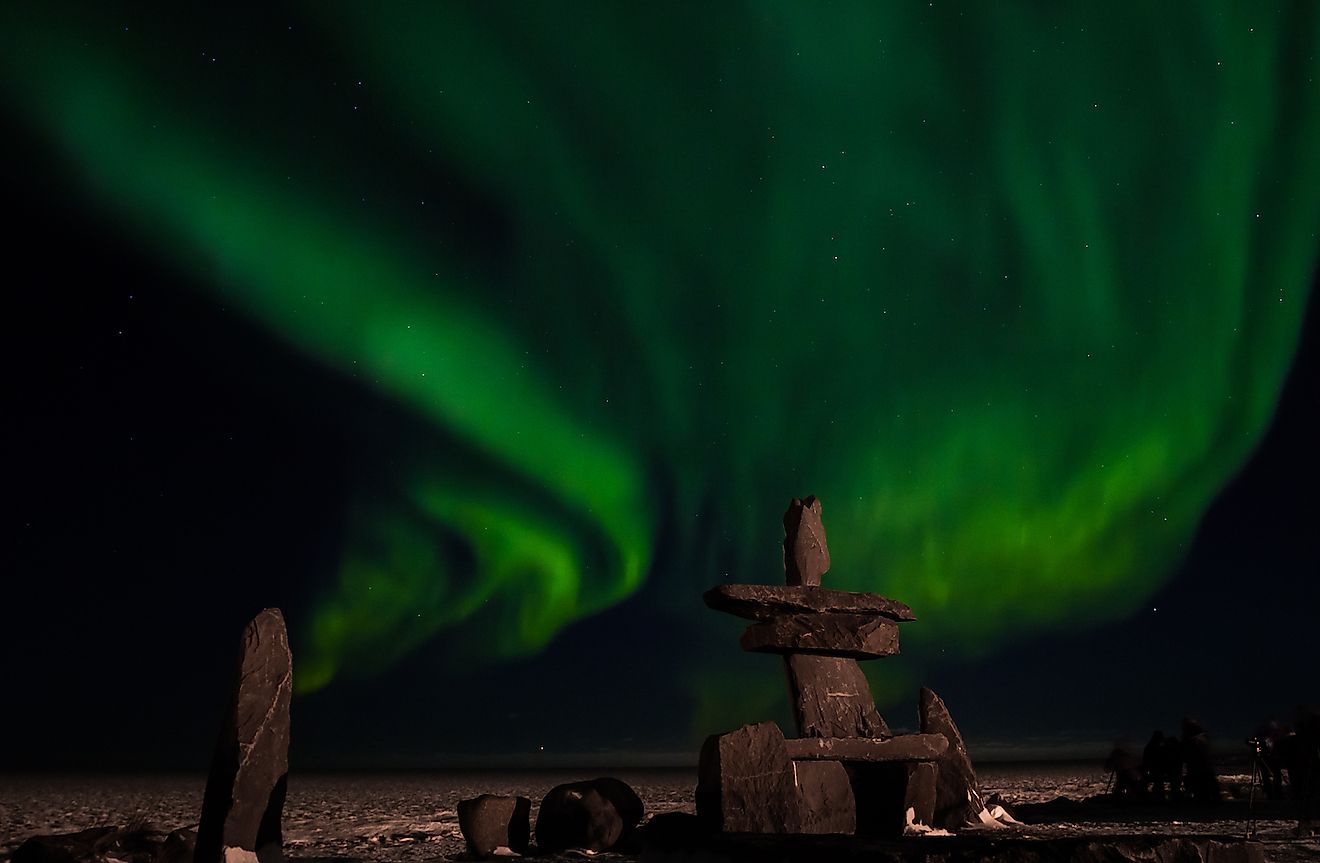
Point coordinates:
[(767, 601), (848, 635), (905, 747)]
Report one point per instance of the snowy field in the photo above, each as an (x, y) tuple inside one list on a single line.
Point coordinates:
[(411, 817)]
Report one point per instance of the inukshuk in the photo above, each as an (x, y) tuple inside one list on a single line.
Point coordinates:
[(845, 772)]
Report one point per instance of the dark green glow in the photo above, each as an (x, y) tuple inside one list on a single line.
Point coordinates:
[(1012, 289)]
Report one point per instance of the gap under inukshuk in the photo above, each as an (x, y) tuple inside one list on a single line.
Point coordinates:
[(845, 772)]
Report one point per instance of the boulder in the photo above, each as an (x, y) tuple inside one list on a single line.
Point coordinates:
[(806, 554), (489, 822), (831, 698), (745, 782), (244, 800), (957, 796), (594, 815), (848, 635), (625, 799), (767, 601)]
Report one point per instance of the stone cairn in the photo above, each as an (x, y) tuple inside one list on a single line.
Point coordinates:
[(844, 772)]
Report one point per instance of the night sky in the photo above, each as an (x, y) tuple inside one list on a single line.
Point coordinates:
[(483, 338)]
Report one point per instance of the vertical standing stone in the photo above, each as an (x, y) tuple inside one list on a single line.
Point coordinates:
[(806, 555), (957, 797), (831, 698), (745, 782), (244, 798)]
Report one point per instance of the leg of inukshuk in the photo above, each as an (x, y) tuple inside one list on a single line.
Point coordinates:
[(827, 797), (806, 554), (919, 800), (745, 782), (244, 798)]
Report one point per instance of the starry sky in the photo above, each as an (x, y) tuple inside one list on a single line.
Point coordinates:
[(482, 338)]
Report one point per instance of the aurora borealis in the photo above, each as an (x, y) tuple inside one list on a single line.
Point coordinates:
[(1013, 289)]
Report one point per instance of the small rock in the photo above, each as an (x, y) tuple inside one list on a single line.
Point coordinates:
[(489, 822), (806, 554)]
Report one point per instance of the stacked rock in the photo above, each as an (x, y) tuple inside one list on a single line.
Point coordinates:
[(845, 772)]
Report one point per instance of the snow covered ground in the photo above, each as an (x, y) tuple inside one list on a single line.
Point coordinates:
[(411, 817)]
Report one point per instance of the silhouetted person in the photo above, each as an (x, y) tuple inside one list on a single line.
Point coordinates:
[(1126, 767), (1153, 763), (1173, 766), (1201, 779), (1303, 764), (1268, 756)]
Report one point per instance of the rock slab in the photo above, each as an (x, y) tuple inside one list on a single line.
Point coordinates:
[(244, 800), (491, 821), (848, 635), (827, 797), (767, 601), (594, 815), (806, 554), (958, 799), (745, 783), (904, 747), (831, 698)]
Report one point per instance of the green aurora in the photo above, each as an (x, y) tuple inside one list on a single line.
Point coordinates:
[(1012, 288)]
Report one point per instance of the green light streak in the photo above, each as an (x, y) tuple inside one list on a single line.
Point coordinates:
[(1012, 289)]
